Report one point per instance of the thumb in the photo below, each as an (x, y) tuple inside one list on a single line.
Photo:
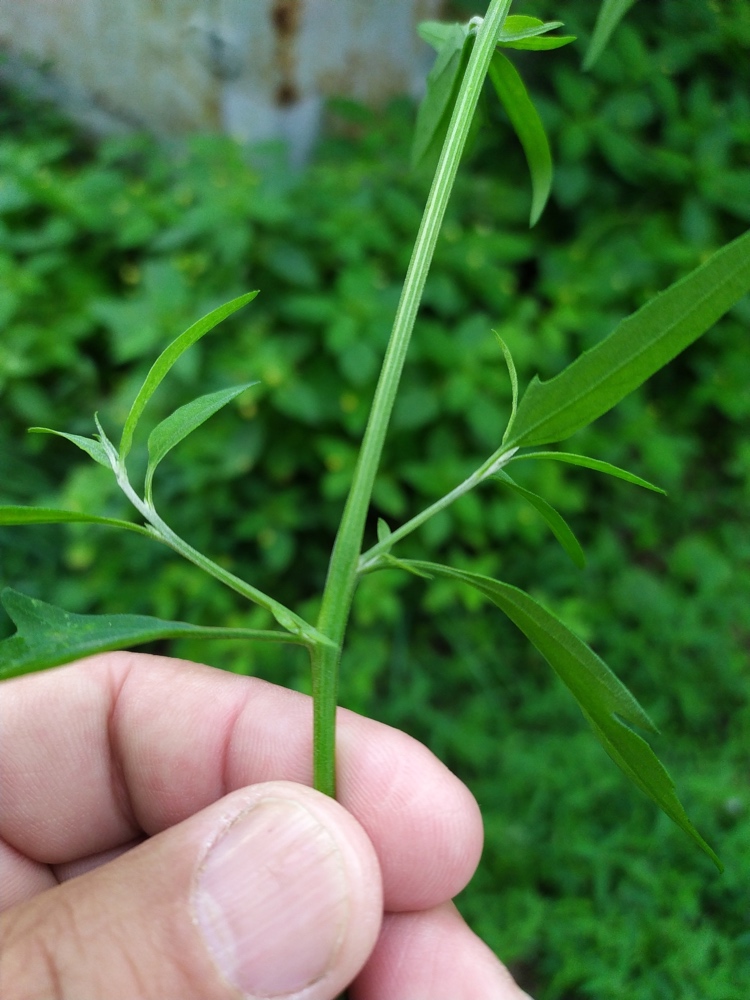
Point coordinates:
[(274, 891)]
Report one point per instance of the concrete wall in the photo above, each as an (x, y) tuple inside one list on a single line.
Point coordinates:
[(254, 68)]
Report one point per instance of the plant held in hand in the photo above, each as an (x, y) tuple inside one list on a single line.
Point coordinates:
[(547, 412)]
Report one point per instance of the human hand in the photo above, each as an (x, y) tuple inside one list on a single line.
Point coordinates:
[(158, 841)]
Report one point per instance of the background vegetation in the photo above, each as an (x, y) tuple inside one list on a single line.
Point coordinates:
[(108, 250)]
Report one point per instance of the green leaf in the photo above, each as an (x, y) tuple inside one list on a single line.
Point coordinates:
[(603, 698), (540, 44), (384, 532), (513, 383), (528, 127), (592, 463), (443, 83), (637, 760), (639, 346), (183, 421), (522, 32), (92, 447), (109, 448), (610, 14), (517, 26), (168, 357), (48, 636), (557, 523), (16, 514), (585, 674), (435, 33)]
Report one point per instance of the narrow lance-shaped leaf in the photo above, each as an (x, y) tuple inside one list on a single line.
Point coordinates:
[(639, 346), (48, 636), (168, 357), (384, 532), (436, 33), (405, 565), (92, 447), (184, 421), (513, 383), (528, 127), (522, 32), (518, 31), (610, 14), (603, 698), (540, 44), (109, 448), (517, 26), (17, 515), (443, 83), (556, 522), (591, 463)]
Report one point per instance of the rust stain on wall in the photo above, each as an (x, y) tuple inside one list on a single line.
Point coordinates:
[(286, 17)]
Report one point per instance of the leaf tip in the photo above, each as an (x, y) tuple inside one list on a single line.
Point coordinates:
[(535, 214), (384, 532)]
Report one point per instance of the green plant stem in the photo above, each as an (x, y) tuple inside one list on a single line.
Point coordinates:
[(371, 559), (342, 571), (324, 663), (161, 531), (284, 616)]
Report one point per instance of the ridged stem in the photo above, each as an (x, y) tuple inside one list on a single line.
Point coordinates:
[(342, 571)]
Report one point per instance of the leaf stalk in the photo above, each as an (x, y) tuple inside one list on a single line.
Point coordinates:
[(161, 531), (372, 559)]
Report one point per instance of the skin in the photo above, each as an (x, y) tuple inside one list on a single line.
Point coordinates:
[(118, 771)]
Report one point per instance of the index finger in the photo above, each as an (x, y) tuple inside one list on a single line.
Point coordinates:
[(99, 752)]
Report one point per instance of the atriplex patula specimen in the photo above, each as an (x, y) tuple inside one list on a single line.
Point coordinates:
[(546, 413)]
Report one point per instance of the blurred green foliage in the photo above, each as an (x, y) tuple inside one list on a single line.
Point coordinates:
[(108, 250)]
